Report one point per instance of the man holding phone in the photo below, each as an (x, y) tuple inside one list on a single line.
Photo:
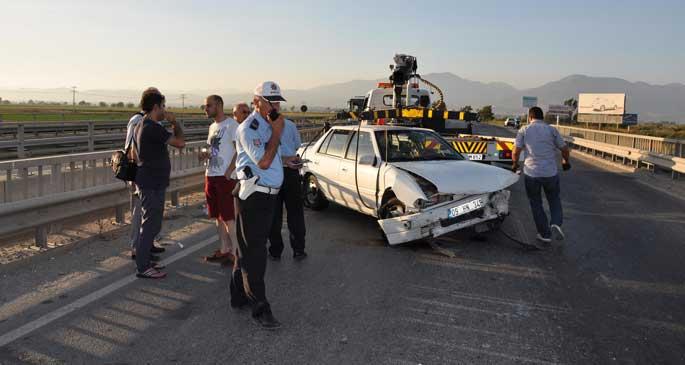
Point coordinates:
[(152, 177), (290, 194), (260, 175)]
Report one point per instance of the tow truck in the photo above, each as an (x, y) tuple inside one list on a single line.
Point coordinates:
[(413, 106)]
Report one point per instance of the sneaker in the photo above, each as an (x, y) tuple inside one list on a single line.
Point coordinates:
[(274, 257), (151, 273), (543, 239), (299, 255), (267, 320), (157, 249), (557, 233)]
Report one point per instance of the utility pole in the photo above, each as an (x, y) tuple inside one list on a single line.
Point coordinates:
[(183, 101), (73, 97)]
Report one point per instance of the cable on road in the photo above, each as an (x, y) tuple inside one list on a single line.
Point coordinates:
[(526, 246)]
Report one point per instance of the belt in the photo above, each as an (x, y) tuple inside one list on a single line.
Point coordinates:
[(266, 189)]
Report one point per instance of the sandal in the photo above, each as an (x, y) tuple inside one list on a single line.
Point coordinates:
[(151, 273)]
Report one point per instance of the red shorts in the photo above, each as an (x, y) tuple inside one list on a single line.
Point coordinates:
[(219, 194)]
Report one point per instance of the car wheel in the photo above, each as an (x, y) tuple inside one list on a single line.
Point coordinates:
[(313, 197), (393, 208)]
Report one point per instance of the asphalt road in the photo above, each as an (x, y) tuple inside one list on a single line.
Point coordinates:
[(612, 292)]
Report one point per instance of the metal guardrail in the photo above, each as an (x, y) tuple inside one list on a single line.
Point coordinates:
[(21, 140), (38, 192), (663, 146), (629, 155), (69, 186)]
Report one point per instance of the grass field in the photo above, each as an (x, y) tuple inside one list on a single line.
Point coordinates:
[(675, 131), (53, 113)]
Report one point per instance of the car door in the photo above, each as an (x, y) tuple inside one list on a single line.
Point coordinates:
[(326, 163), (365, 177)]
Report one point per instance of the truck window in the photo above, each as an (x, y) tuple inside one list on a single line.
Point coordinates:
[(365, 146), (414, 100)]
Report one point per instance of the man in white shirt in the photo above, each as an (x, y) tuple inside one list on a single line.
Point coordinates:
[(220, 156)]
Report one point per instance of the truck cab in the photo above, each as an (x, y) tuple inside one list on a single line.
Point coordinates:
[(381, 98)]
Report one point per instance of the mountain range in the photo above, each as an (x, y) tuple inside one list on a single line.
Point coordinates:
[(651, 102)]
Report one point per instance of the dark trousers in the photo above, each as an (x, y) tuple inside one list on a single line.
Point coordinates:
[(152, 203), (291, 195), (136, 217), (253, 224), (551, 187)]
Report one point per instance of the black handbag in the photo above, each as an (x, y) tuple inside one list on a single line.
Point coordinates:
[(124, 169), (124, 165)]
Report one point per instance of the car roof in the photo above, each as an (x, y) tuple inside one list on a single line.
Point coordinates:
[(373, 128)]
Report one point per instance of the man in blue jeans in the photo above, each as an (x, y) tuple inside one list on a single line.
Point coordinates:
[(541, 142)]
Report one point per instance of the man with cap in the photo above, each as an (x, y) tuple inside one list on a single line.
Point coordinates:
[(260, 173), (290, 194)]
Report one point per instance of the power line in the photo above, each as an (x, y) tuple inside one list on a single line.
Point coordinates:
[(73, 97)]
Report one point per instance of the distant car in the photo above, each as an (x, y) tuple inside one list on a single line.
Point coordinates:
[(410, 179), (512, 122), (603, 105)]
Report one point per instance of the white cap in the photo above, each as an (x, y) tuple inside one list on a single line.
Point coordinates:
[(269, 90)]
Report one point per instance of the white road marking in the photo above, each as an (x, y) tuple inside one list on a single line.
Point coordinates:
[(83, 301)]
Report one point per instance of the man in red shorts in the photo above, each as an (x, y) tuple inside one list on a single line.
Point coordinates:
[(220, 156)]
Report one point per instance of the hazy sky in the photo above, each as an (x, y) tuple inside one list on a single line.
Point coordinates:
[(207, 44)]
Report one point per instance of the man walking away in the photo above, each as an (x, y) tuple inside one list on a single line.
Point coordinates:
[(541, 142), (135, 206), (290, 194), (218, 182), (152, 178), (260, 171)]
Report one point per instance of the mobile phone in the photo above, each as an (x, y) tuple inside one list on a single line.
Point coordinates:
[(274, 114)]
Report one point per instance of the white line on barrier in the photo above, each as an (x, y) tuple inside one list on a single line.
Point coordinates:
[(83, 301)]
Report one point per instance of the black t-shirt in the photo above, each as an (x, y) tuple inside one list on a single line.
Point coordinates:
[(154, 166)]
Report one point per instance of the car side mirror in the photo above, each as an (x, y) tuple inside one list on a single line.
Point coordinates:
[(369, 160)]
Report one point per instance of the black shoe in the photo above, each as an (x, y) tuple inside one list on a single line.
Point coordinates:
[(299, 255), (157, 249), (274, 257), (153, 258), (267, 320), (237, 303)]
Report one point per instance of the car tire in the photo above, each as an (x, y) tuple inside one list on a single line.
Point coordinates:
[(313, 197), (390, 209)]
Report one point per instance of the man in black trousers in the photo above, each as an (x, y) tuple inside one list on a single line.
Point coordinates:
[(290, 194)]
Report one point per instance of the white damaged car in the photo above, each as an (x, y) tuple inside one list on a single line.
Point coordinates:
[(412, 180)]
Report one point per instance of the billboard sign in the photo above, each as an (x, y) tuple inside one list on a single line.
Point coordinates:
[(630, 119), (529, 101), (606, 104), (560, 109)]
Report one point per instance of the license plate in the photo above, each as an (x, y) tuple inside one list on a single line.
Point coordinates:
[(464, 208), (475, 157)]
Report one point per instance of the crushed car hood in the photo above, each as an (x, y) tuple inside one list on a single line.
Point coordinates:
[(461, 177)]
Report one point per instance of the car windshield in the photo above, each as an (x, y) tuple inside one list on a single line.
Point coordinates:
[(414, 145)]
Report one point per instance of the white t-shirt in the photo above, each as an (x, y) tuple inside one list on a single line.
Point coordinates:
[(220, 140)]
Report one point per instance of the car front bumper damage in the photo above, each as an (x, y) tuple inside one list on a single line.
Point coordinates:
[(434, 221)]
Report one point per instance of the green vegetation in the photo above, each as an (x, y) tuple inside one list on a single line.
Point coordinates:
[(662, 130), (103, 111)]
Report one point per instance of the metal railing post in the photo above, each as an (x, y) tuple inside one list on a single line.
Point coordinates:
[(91, 137), (21, 153)]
